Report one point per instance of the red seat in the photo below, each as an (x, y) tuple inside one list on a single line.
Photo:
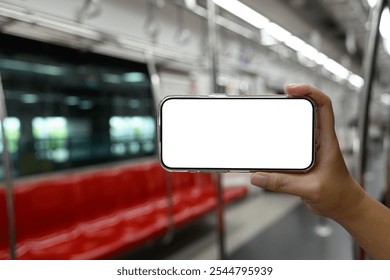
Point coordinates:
[(46, 215), (140, 217), (182, 206), (131, 178), (157, 186), (193, 196), (150, 213), (98, 214), (4, 254), (98, 195), (117, 212), (146, 201)]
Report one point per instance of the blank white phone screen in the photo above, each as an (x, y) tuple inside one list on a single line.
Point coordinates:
[(237, 133)]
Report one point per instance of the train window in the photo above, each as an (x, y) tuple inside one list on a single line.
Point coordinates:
[(70, 108), (51, 138), (132, 135), (12, 134)]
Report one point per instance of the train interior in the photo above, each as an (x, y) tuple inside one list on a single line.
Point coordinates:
[(81, 82)]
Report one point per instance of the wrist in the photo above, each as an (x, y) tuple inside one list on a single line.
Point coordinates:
[(352, 204)]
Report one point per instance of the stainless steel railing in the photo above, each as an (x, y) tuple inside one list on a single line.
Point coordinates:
[(369, 63), (7, 166)]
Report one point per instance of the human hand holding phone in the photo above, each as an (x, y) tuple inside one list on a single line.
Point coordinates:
[(328, 189), (326, 186)]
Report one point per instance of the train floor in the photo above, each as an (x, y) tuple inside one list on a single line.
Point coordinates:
[(265, 225)]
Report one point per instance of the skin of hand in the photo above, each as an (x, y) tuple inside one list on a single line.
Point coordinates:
[(328, 189)]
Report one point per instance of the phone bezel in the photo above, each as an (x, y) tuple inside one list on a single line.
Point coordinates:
[(237, 170)]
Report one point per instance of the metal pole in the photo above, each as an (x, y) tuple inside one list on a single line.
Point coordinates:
[(212, 44), (169, 195), (156, 88), (386, 148), (369, 63), (213, 49), (154, 77), (8, 178)]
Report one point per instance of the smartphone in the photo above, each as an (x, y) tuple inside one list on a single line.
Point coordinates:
[(236, 134)]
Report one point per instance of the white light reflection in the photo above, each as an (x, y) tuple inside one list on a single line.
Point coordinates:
[(301, 47), (244, 12)]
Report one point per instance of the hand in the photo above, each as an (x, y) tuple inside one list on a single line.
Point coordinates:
[(327, 189)]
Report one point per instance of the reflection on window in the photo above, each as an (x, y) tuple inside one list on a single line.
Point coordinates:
[(38, 68), (12, 134), (51, 137), (132, 135)]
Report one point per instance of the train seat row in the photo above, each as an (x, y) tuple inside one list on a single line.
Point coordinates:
[(99, 214)]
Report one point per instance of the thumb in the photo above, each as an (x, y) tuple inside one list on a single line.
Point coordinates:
[(277, 182)]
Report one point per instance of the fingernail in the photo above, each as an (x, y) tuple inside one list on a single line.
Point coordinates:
[(259, 180), (291, 86), (294, 85)]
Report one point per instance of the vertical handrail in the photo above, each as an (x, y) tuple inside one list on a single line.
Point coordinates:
[(386, 148), (212, 45), (8, 178), (365, 96), (156, 89), (154, 77), (213, 68)]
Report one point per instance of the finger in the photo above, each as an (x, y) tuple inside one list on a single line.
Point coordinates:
[(300, 90), (279, 182), (325, 117)]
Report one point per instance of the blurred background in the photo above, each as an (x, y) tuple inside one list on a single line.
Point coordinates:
[(81, 83)]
